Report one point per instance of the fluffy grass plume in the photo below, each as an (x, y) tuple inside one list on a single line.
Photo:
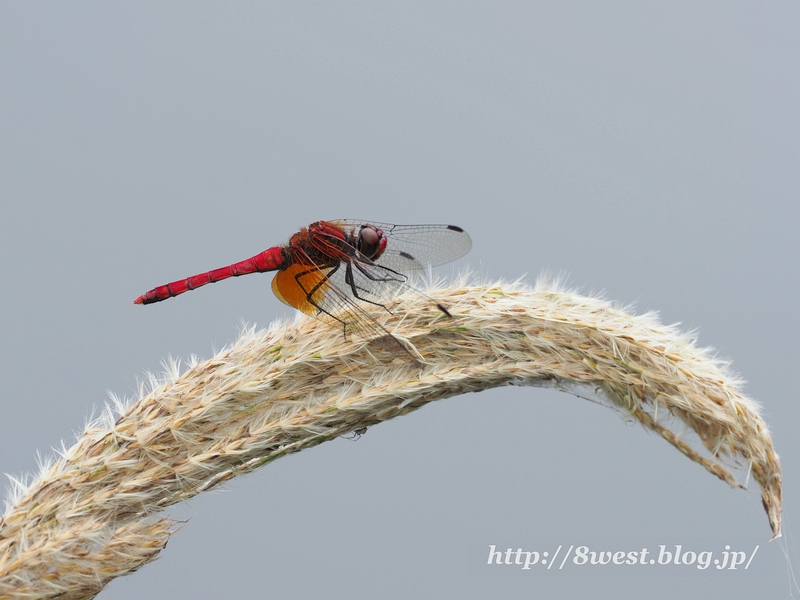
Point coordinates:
[(91, 515)]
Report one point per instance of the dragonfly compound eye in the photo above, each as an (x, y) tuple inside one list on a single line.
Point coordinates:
[(369, 241)]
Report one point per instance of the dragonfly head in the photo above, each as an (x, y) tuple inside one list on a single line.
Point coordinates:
[(371, 241)]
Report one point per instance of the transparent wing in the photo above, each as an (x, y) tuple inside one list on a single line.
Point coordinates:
[(415, 247)]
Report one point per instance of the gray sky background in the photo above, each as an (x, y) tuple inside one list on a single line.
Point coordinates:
[(647, 150)]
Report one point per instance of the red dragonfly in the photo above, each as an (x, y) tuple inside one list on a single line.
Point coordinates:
[(326, 268)]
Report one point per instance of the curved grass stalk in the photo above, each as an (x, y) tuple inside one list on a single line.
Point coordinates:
[(91, 515)]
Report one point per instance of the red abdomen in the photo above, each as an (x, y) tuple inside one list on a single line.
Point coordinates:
[(268, 260)]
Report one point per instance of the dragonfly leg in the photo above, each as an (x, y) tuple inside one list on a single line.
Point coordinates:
[(348, 278), (319, 284), (391, 276), (400, 277)]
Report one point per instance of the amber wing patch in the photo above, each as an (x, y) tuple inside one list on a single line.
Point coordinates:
[(296, 285)]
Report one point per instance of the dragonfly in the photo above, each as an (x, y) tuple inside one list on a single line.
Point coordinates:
[(333, 270)]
